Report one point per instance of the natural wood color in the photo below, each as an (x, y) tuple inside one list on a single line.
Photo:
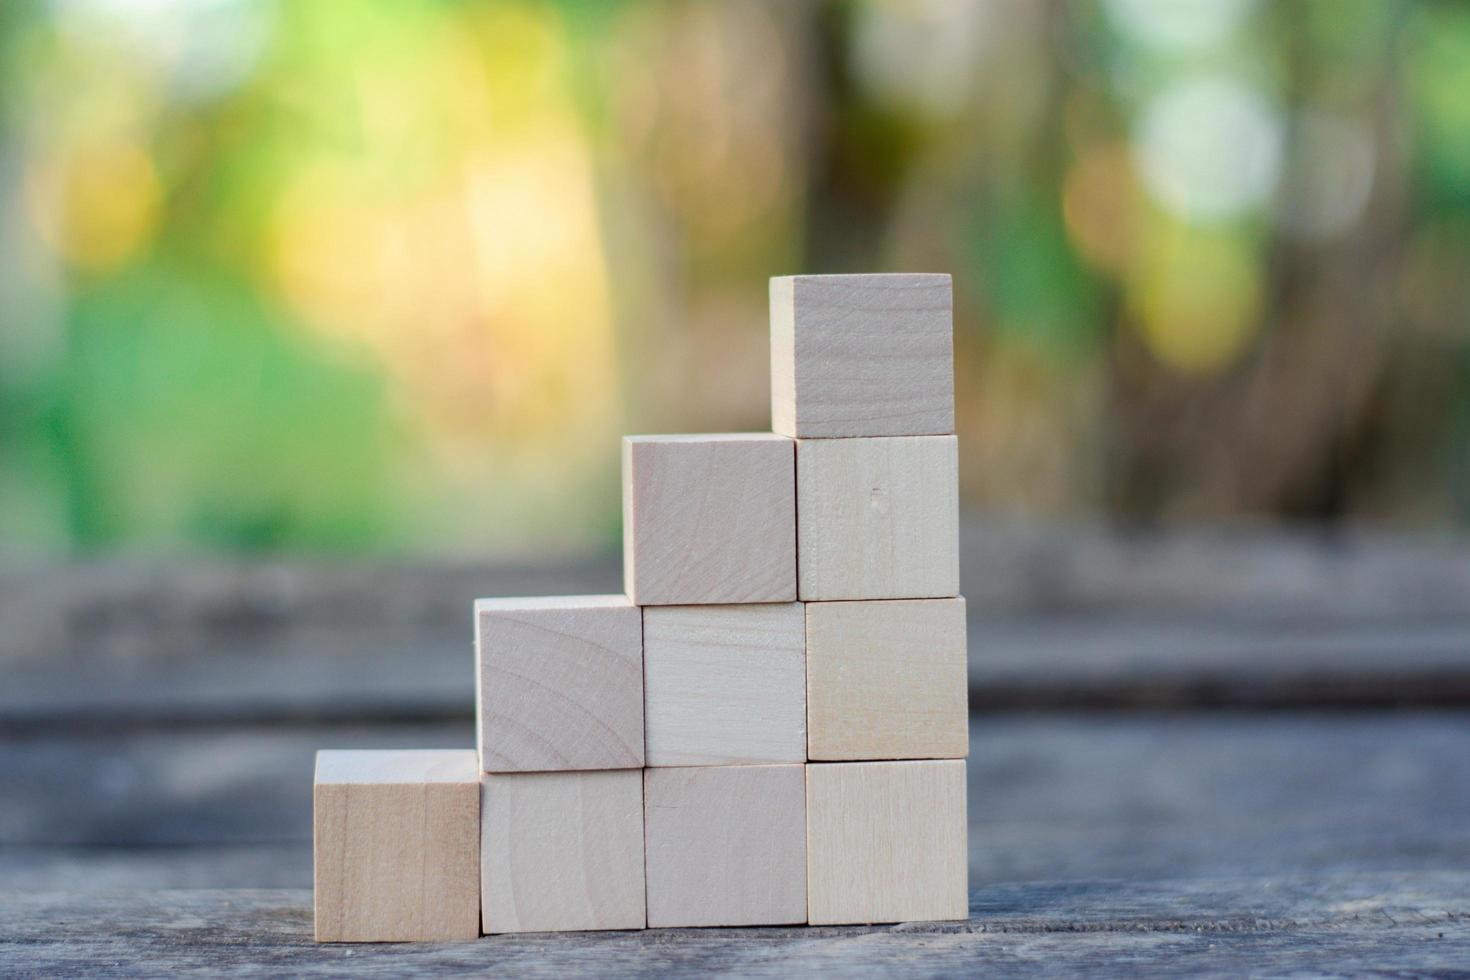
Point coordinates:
[(560, 683), (886, 680), (726, 845), (397, 845), (725, 685), (709, 519), (878, 518), (562, 851), (886, 841), (864, 355)]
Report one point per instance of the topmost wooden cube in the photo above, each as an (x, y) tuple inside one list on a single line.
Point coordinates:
[(855, 356)]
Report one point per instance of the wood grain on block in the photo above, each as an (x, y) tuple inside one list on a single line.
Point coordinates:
[(562, 851), (886, 679), (725, 685), (866, 355), (878, 518), (709, 519), (560, 683), (396, 837), (886, 841), (726, 845)]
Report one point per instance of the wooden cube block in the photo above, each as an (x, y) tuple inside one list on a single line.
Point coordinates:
[(887, 680), (878, 518), (396, 838), (726, 845), (709, 519), (855, 356), (562, 851), (725, 685), (560, 683), (886, 842)]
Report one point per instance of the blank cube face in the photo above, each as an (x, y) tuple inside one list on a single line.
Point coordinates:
[(886, 842), (887, 680), (709, 519), (878, 518), (726, 846), (855, 356), (560, 683), (396, 837), (562, 851), (725, 685)]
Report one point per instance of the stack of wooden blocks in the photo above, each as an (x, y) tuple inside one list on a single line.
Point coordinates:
[(769, 728)]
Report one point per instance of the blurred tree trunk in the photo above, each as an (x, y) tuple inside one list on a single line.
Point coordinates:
[(1281, 433)]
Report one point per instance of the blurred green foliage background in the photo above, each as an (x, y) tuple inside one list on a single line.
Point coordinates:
[(393, 276)]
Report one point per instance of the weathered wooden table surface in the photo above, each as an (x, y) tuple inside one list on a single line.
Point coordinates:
[(1226, 753)]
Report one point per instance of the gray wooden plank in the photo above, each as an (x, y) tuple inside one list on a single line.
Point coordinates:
[(1211, 927), (1180, 795), (85, 868), (1115, 662), (1120, 796), (130, 609), (1060, 617), (1241, 570), (1133, 660), (413, 683), (178, 788)]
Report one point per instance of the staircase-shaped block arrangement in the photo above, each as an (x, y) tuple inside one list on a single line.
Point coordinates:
[(768, 728)]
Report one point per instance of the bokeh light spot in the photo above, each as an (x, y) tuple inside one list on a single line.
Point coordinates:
[(1101, 207), (951, 33), (98, 206), (1179, 25), (1197, 298), (1209, 147), (1331, 177)]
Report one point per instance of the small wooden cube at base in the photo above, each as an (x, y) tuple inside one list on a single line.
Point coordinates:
[(726, 845), (887, 679), (886, 842), (709, 519), (562, 851), (396, 838), (867, 355), (560, 683), (878, 518), (725, 685)]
